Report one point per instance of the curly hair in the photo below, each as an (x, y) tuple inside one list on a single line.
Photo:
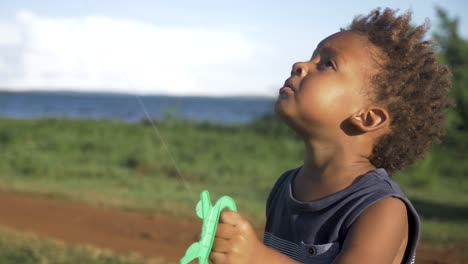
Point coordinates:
[(411, 84)]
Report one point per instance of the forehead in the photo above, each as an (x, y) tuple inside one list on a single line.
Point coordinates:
[(353, 47)]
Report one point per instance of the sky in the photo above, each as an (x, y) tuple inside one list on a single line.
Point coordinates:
[(202, 48)]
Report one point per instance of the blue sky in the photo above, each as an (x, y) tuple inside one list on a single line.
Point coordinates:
[(174, 47)]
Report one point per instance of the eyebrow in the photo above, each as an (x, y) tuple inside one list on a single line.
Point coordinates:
[(330, 51)]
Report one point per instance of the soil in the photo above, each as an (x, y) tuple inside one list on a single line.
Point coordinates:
[(150, 235)]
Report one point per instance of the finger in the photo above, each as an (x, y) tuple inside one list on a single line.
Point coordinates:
[(224, 231), (217, 258), (237, 220), (221, 245), (231, 217)]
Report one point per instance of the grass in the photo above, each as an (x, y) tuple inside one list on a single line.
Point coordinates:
[(126, 165), (17, 247)]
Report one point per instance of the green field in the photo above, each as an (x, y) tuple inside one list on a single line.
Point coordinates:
[(126, 166), (28, 249)]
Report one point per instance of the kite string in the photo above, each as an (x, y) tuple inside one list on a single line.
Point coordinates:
[(164, 145), (156, 130)]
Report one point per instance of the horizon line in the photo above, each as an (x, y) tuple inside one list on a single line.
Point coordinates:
[(104, 92)]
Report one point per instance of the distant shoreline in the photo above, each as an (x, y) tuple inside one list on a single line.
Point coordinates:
[(71, 92), (129, 107)]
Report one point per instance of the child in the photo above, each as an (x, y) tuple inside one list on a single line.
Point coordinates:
[(367, 104)]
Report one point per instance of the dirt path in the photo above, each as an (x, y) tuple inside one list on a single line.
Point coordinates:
[(149, 235)]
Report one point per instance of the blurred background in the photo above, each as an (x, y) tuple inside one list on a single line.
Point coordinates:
[(114, 115)]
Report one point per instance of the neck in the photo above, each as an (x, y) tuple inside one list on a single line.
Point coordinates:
[(328, 168)]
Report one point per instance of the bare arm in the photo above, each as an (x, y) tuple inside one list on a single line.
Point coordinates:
[(377, 235)]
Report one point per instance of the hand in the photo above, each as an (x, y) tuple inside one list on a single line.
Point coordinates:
[(235, 241)]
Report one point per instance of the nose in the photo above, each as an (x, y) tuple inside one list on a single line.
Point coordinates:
[(299, 69)]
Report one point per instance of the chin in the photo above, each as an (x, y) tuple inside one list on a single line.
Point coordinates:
[(284, 112), (281, 108), (287, 114)]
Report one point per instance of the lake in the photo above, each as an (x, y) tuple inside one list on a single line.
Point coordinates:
[(131, 108)]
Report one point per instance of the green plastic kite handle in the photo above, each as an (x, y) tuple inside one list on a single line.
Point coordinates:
[(210, 217)]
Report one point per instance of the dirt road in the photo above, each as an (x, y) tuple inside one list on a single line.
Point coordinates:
[(120, 231)]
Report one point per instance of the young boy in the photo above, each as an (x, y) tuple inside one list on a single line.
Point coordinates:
[(367, 104)]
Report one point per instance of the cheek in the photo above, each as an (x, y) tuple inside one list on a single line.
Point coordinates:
[(323, 104)]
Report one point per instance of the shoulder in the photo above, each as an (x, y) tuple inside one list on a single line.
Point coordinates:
[(385, 216), (375, 187), (377, 234)]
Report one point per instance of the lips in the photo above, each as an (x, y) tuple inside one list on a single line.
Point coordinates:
[(287, 87)]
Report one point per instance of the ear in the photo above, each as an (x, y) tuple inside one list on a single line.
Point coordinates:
[(371, 119)]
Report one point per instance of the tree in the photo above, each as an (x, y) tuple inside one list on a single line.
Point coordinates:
[(454, 52)]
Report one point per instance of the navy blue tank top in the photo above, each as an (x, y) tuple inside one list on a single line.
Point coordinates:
[(314, 232)]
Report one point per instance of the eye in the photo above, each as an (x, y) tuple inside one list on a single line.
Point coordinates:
[(327, 64)]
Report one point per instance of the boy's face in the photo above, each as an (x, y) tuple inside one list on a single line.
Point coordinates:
[(333, 85)]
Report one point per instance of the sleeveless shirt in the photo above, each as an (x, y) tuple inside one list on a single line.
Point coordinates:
[(314, 232)]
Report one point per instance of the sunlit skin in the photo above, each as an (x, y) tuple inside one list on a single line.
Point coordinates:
[(327, 100)]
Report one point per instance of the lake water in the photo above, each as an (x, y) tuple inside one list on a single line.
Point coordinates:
[(128, 107)]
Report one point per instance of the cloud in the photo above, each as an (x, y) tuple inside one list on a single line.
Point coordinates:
[(97, 53)]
